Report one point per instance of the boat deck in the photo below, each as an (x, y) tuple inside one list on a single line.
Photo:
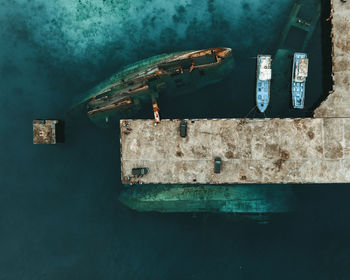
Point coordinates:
[(263, 82), (298, 86)]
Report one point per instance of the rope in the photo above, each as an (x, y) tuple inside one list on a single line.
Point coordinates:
[(250, 111)]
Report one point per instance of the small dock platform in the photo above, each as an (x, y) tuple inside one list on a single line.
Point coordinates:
[(47, 132)]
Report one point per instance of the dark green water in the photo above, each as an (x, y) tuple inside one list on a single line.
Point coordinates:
[(60, 217)]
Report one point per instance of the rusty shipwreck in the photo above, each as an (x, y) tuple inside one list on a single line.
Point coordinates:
[(165, 74)]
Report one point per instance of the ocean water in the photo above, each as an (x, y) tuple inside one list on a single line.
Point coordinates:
[(60, 217)]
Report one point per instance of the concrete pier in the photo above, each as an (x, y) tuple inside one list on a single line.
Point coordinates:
[(337, 104), (310, 150), (252, 151)]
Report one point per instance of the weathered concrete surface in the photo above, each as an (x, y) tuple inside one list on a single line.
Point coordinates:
[(252, 150), (44, 131), (338, 102)]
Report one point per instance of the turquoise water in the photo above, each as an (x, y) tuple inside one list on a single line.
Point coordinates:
[(60, 217)]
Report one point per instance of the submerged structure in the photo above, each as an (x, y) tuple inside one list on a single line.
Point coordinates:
[(174, 73), (253, 201)]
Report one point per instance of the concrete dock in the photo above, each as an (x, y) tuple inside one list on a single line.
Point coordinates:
[(337, 105), (309, 150), (47, 131), (252, 151)]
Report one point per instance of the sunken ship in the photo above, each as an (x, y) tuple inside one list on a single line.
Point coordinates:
[(255, 202), (167, 74)]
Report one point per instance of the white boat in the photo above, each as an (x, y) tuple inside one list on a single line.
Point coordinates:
[(263, 81), (299, 75)]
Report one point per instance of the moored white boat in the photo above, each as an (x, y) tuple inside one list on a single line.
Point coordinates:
[(299, 75), (263, 81)]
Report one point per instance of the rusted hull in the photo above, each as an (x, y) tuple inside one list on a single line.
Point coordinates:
[(167, 74)]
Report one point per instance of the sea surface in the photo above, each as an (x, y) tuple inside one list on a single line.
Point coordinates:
[(60, 217)]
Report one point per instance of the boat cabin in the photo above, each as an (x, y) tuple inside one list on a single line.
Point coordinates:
[(301, 70), (265, 69)]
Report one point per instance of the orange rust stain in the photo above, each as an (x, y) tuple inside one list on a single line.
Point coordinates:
[(160, 71), (137, 89), (192, 66), (221, 52), (120, 103)]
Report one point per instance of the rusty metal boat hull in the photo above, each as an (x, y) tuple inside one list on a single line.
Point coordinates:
[(167, 74)]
